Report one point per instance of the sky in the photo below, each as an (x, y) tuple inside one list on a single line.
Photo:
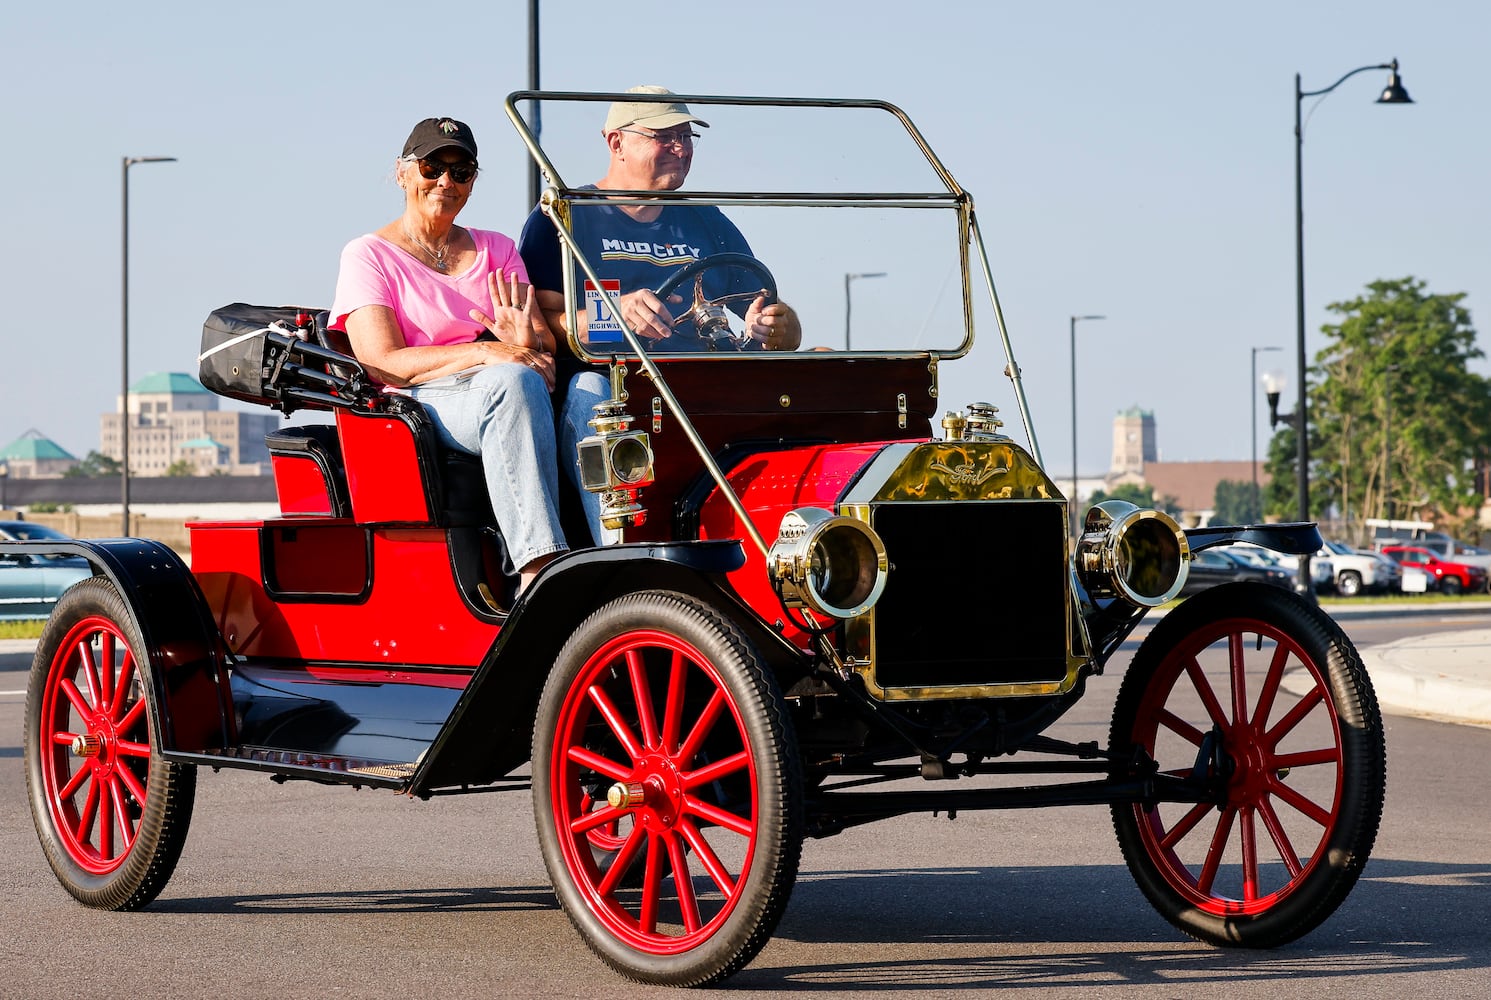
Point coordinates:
[(1133, 160)]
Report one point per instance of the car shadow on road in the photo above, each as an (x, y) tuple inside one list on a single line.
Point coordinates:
[(1070, 926), (500, 898)]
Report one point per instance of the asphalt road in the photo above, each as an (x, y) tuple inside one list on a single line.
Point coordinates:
[(306, 891)]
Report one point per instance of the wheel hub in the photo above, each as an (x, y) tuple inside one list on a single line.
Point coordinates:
[(1252, 768), (655, 791), (87, 745)]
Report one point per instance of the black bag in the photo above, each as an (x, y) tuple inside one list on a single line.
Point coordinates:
[(233, 362)]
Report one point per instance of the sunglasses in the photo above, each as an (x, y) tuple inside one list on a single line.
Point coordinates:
[(461, 171)]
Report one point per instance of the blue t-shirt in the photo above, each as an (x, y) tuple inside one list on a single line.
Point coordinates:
[(643, 254)]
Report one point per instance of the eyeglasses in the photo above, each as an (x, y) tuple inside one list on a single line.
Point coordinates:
[(461, 171), (684, 139)]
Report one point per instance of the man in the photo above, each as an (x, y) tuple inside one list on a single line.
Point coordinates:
[(651, 147)]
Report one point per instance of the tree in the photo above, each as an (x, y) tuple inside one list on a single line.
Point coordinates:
[(1234, 504), (1139, 496), (1397, 417), (181, 468), (96, 464)]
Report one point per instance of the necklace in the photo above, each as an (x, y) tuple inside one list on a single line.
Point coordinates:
[(437, 256)]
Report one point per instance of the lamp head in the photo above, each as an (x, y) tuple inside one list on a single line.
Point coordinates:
[(1394, 93)]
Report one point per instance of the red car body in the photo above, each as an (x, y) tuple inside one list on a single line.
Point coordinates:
[(1444, 574)]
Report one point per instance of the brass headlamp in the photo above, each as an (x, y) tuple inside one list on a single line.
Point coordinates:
[(616, 462), (827, 563)]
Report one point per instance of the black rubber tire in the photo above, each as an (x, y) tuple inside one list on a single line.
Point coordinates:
[(1306, 775), (1451, 585), (739, 781), (1349, 583), (121, 863)]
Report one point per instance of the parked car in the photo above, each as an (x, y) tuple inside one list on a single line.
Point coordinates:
[(1444, 575), (1322, 569), (31, 584), (1359, 572), (1213, 567)]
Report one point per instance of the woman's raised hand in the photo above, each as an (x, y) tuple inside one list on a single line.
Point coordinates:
[(516, 318)]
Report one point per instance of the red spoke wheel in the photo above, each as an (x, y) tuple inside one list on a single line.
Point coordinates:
[(667, 790), (112, 816), (1266, 696)]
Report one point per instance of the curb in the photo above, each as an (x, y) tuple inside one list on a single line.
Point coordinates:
[(1442, 676)]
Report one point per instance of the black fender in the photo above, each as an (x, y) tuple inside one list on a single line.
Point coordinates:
[(1292, 537), (490, 730), (188, 694)]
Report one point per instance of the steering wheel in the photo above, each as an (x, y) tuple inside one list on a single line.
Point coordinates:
[(710, 318)]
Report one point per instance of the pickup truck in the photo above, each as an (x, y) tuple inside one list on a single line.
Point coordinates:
[(1362, 572)]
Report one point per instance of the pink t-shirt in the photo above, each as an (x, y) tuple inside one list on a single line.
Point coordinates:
[(430, 307)]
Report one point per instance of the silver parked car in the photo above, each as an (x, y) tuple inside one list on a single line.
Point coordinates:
[(30, 585)]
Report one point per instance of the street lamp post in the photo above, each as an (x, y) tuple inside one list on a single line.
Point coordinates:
[(1073, 328), (847, 279), (1253, 395), (1393, 93), (1389, 373), (129, 161)]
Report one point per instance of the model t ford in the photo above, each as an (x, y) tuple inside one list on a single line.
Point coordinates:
[(833, 600)]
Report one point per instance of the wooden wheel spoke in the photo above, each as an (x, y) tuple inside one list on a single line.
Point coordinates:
[(73, 784), (717, 770), (89, 810), (588, 758), (126, 678), (623, 859), (1205, 693), (1249, 837), (1180, 727), (1270, 690), (90, 669), (719, 817), (701, 728), (1215, 850), (1301, 803), (1280, 837), (1237, 662), (121, 814), (642, 693), (683, 885), (596, 817), (129, 748), (673, 710), (75, 697), (133, 716), (652, 885), (1187, 823), (618, 725), (707, 857), (132, 784), (1306, 758), (105, 817), (1295, 715)]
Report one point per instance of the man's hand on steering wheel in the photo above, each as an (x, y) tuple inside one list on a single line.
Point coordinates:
[(774, 326), (647, 314)]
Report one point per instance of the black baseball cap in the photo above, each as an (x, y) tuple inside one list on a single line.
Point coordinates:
[(439, 133)]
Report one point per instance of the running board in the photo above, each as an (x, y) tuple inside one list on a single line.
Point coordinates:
[(294, 764)]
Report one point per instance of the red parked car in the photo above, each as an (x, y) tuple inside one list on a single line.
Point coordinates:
[(837, 601), (1445, 575)]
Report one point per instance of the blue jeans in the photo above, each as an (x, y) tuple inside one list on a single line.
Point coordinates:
[(503, 414), (585, 390)]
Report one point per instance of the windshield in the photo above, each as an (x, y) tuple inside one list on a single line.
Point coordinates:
[(838, 205)]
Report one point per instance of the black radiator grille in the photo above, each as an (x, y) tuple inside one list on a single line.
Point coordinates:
[(977, 594)]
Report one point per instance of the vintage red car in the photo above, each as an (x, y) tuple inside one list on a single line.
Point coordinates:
[(831, 606)]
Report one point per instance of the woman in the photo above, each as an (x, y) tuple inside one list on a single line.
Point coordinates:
[(410, 298)]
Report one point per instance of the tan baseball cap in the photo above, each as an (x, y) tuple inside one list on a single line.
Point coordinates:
[(649, 114)]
